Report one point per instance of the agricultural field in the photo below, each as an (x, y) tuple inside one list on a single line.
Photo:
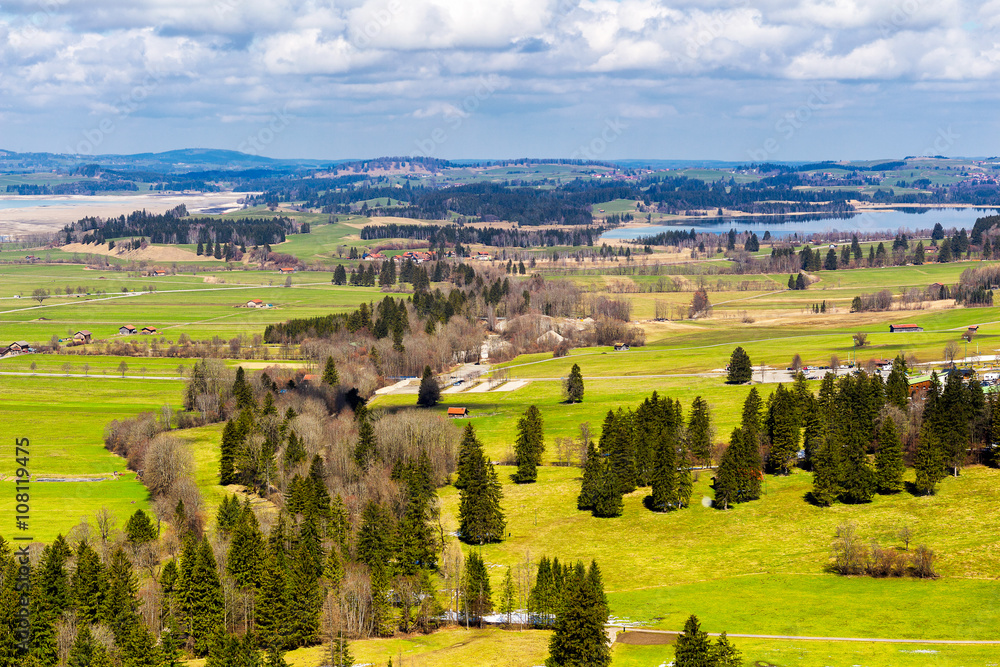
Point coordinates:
[(759, 568)]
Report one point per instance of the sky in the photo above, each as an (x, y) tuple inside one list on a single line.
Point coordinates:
[(743, 80)]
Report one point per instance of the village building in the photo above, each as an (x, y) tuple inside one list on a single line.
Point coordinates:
[(127, 330), (458, 412), (82, 336), (148, 330), (255, 303), (904, 328)]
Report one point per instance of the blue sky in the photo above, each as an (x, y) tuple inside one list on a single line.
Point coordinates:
[(607, 79)]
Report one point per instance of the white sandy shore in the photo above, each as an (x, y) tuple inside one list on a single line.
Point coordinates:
[(54, 211)]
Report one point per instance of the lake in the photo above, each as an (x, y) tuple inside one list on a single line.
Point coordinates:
[(889, 220)]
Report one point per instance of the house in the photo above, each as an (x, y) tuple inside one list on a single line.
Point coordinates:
[(148, 330), (287, 269), (158, 273), (373, 257), (973, 329), (19, 347), (621, 347), (127, 330), (82, 336), (919, 384), (255, 303), (311, 377), (483, 256), (458, 412), (904, 328)]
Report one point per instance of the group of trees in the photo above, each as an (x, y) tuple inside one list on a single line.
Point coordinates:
[(480, 516), (650, 446)]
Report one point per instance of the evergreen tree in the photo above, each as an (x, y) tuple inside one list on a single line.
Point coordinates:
[(725, 654), (246, 551), (897, 386), (918, 254), (81, 653), (479, 514), (340, 652), (366, 449), (228, 514), (231, 443), (928, 461), (477, 597), (579, 639), (381, 604), (330, 375), (692, 648), (855, 248), (339, 275), (295, 451), (607, 493), (89, 584), (740, 369), (826, 465), (889, 467), (529, 445), (272, 604), (203, 603), (469, 451), (830, 263), (304, 597), (574, 385), (783, 430), (429, 393), (699, 433), (800, 280), (508, 595), (139, 529), (377, 536), (591, 479), (242, 391)]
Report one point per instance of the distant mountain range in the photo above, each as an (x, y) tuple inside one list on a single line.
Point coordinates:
[(177, 161)]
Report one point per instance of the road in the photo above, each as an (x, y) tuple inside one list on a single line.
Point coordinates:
[(828, 639)]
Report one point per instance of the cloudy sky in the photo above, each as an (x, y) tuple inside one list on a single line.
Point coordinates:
[(606, 79)]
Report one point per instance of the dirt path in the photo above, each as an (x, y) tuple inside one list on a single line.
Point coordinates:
[(829, 639)]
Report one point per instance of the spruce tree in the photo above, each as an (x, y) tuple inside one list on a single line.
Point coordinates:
[(366, 449), (477, 596), (783, 431), (725, 654), (330, 375), (339, 651), (928, 461), (699, 433), (377, 536), (740, 369), (231, 443), (480, 517), (81, 653), (591, 479), (272, 604), (469, 452), (889, 467), (607, 494), (295, 451), (579, 638), (203, 601), (305, 599), (508, 596), (618, 445), (429, 393), (574, 385), (529, 445), (89, 584), (692, 648), (664, 482), (139, 529), (246, 551), (897, 387)]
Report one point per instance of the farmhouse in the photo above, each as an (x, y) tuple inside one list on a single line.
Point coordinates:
[(483, 256), (973, 329), (373, 257), (19, 347), (83, 336), (458, 412), (287, 269), (621, 347), (157, 273), (919, 383), (255, 303), (904, 328), (310, 377), (127, 330), (148, 330)]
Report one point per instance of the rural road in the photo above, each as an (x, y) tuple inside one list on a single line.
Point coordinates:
[(831, 639)]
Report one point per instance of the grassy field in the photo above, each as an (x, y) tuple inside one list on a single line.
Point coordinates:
[(64, 420), (760, 567)]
